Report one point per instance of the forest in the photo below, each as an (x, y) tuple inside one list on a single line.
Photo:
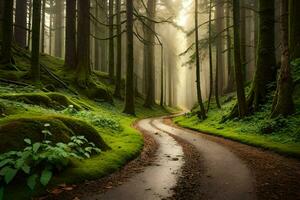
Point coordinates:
[(149, 99)]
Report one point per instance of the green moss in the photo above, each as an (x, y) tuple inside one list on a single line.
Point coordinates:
[(14, 130), (49, 100)]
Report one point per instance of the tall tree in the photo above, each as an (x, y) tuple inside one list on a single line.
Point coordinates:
[(283, 101), (119, 51), (211, 80), (70, 42), (294, 29), (7, 32), (242, 108), (230, 86), (43, 26), (83, 43), (20, 23), (111, 41), (59, 10), (219, 47), (1, 19), (35, 52), (266, 63), (243, 36), (129, 88), (150, 38), (202, 113)]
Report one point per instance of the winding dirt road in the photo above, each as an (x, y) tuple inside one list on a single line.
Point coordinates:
[(189, 165)]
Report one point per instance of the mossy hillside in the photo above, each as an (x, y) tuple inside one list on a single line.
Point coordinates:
[(281, 135), (106, 119), (55, 77)]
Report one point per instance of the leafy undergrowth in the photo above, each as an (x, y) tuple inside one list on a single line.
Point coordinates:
[(281, 135), (24, 111)]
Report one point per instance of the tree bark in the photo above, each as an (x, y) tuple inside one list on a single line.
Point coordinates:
[(7, 32), (129, 96), (150, 38), (43, 27), (294, 32), (266, 63), (70, 42), (242, 108), (83, 43), (111, 41), (211, 80), (202, 113), (20, 22), (119, 51), (59, 8), (219, 54), (283, 101), (1, 20), (35, 52)]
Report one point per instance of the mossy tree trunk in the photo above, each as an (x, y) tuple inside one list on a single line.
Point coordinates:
[(129, 91), (35, 52), (239, 78), (83, 43), (119, 51), (111, 67), (7, 32), (283, 101), (202, 113), (294, 31), (150, 70), (70, 53), (20, 23)]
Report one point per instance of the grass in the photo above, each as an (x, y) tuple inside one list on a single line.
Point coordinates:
[(281, 135)]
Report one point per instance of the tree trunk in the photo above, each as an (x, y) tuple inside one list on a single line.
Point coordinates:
[(243, 37), (219, 54), (83, 43), (70, 53), (129, 96), (231, 84), (104, 17), (20, 23), (97, 55), (111, 41), (1, 20), (119, 51), (242, 108), (36, 29), (59, 27), (202, 113), (43, 27), (294, 41), (283, 101), (29, 23), (266, 63), (211, 80), (7, 32), (150, 38)]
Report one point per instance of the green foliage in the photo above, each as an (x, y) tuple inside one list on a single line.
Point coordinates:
[(42, 159)]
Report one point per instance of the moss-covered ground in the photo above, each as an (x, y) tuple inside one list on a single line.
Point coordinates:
[(25, 109), (281, 135)]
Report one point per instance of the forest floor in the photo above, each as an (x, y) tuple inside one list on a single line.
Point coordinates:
[(212, 168), (25, 108)]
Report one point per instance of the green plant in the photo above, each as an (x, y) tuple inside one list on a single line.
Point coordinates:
[(40, 160)]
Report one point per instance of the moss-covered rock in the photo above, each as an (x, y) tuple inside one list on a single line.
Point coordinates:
[(55, 101), (14, 131)]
